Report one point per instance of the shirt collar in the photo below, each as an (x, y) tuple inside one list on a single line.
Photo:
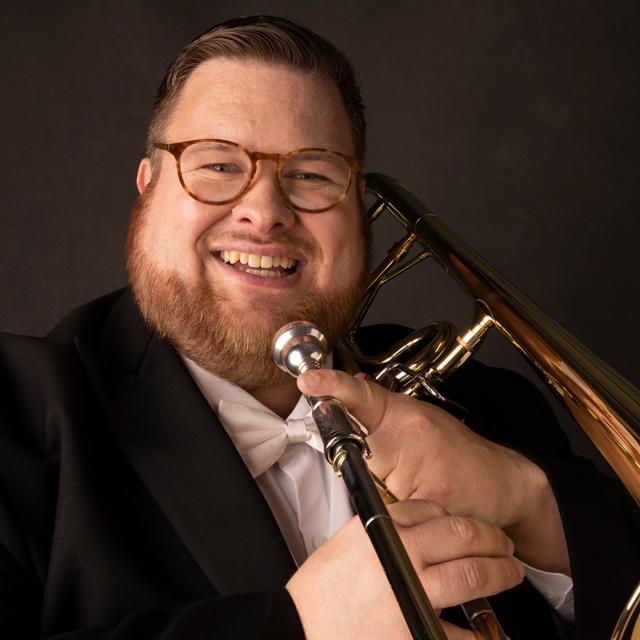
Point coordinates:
[(214, 388)]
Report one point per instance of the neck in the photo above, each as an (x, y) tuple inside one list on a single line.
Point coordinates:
[(281, 398)]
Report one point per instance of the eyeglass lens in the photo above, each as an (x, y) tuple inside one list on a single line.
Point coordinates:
[(218, 172)]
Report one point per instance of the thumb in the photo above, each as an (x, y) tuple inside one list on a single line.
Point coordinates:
[(368, 401)]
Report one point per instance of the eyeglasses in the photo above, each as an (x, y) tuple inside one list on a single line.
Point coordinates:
[(219, 171)]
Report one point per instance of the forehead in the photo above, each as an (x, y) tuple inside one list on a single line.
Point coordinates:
[(264, 106)]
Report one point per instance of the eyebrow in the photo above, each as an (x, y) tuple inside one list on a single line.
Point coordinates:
[(217, 145), (318, 155)]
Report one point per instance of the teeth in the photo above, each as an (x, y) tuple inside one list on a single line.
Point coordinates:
[(265, 273), (230, 256), (256, 262)]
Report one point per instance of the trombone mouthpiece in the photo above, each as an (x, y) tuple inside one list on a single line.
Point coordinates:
[(299, 346)]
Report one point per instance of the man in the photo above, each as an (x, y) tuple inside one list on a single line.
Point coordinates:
[(133, 502)]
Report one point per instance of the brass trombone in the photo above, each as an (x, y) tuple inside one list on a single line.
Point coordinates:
[(604, 404)]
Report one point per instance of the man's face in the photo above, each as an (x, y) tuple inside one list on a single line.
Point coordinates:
[(218, 313)]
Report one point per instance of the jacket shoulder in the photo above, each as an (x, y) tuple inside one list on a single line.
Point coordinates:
[(85, 319), (82, 319), (36, 370)]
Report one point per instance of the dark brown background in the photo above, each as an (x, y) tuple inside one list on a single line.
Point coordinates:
[(516, 121)]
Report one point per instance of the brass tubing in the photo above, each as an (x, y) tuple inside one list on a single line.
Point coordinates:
[(604, 404), (418, 613)]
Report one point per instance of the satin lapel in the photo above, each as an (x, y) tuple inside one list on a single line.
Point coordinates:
[(182, 454)]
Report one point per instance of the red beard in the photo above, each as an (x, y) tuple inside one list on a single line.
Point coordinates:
[(203, 325)]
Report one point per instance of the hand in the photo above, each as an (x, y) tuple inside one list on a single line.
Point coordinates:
[(423, 452), (341, 590)]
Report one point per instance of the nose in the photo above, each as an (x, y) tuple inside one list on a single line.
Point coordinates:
[(263, 206)]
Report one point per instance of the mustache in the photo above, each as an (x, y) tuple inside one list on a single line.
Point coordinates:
[(284, 236)]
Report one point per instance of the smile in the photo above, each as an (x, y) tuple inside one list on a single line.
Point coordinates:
[(263, 266)]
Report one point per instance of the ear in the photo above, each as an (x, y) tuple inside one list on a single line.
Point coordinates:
[(361, 187), (144, 174)]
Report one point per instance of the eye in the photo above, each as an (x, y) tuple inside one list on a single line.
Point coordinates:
[(221, 167), (307, 176)]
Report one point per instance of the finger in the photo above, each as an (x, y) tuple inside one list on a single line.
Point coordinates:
[(457, 633), (410, 513), (374, 406), (365, 399), (451, 583), (447, 538)]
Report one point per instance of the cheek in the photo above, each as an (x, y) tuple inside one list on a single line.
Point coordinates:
[(172, 231), (342, 250)]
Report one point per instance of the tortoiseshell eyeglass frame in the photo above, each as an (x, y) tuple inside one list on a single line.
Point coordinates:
[(176, 149)]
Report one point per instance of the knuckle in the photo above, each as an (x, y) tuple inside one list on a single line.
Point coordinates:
[(474, 574), (332, 376), (367, 390), (413, 513), (436, 508), (465, 529)]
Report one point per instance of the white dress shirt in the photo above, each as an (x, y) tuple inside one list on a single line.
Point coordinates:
[(306, 498), (310, 503)]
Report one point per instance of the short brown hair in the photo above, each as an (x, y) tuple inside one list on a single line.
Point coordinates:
[(267, 38)]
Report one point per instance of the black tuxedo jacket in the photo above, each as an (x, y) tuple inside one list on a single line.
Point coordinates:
[(126, 513)]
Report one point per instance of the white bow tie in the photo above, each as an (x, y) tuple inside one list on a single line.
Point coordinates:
[(261, 437)]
